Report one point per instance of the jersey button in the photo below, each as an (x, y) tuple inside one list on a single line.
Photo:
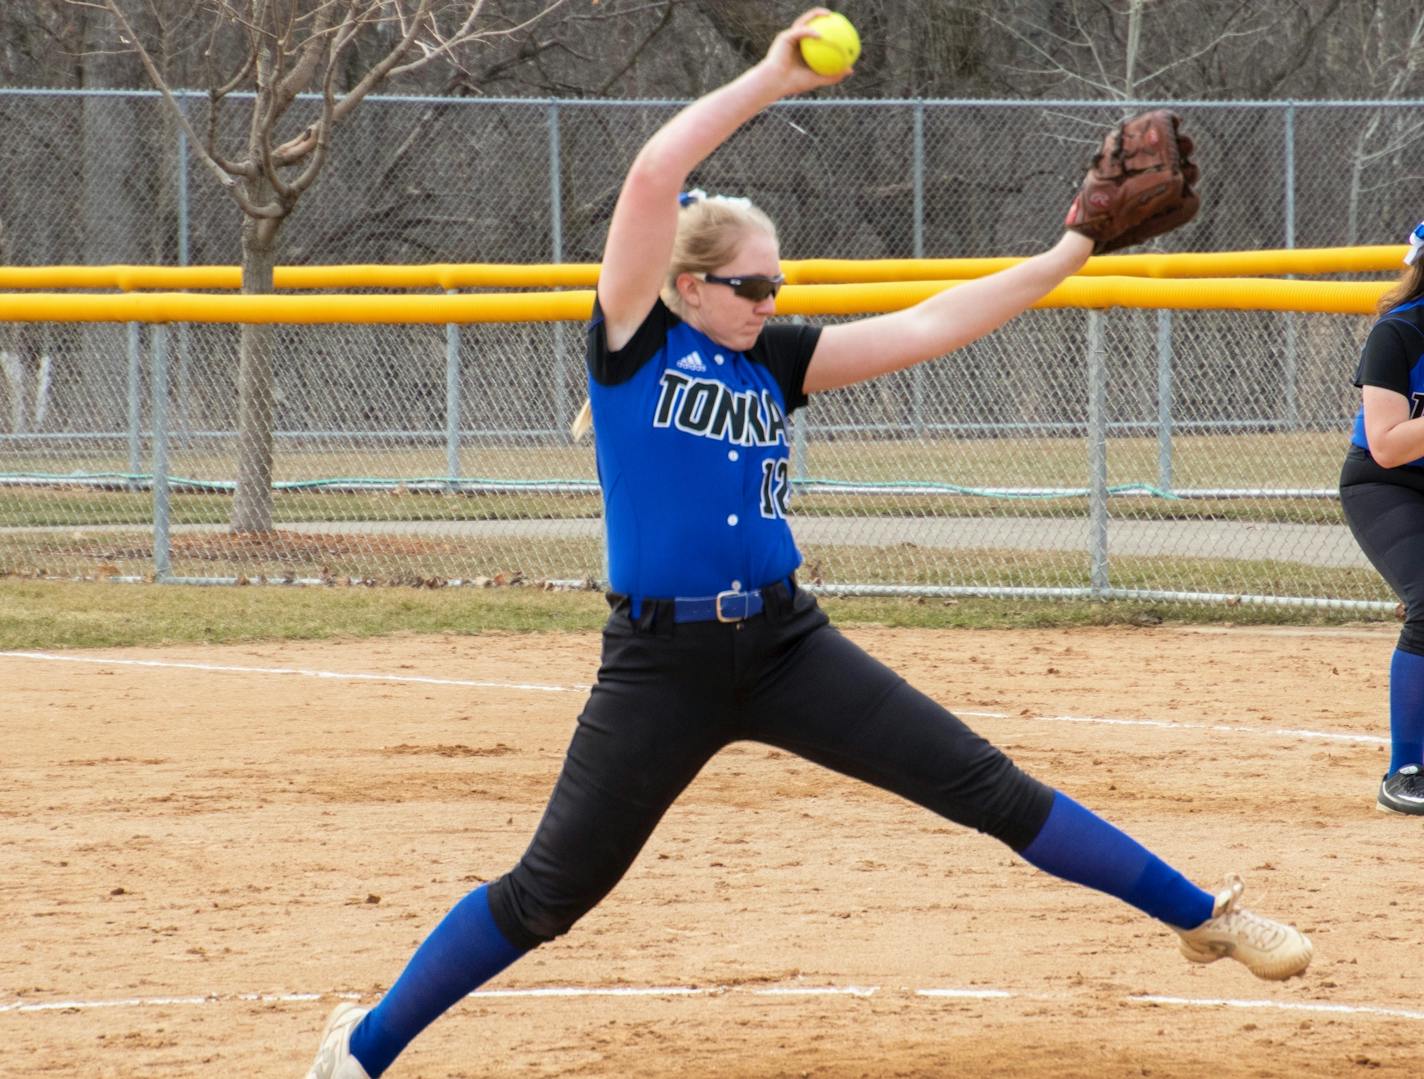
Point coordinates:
[(732, 519), (736, 586), (732, 455), (717, 359)]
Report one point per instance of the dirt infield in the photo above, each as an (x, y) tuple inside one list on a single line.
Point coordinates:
[(202, 849)]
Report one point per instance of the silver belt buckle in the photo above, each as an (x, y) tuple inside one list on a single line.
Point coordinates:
[(746, 599)]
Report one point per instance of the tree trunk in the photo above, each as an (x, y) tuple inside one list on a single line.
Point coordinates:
[(20, 380), (252, 503), (1357, 175)]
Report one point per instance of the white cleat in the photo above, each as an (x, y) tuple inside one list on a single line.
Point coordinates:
[(334, 1059), (1269, 949)]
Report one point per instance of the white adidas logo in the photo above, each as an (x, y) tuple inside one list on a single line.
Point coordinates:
[(692, 362)]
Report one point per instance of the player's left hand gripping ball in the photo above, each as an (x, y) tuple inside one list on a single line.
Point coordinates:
[(1141, 184), (834, 49)]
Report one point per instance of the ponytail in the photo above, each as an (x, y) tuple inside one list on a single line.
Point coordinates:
[(583, 422)]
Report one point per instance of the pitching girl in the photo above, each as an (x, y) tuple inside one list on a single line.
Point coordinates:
[(1382, 494), (709, 639)]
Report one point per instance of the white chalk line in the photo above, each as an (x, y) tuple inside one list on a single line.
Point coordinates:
[(541, 687), (1291, 1006), (1173, 725), (340, 676), (684, 991), (164, 1002)]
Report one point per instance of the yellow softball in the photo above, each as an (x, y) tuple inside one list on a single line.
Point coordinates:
[(836, 48)]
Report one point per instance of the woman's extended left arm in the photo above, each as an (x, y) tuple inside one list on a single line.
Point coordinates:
[(853, 352)]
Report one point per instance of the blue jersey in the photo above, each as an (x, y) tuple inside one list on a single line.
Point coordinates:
[(1393, 359), (693, 451)]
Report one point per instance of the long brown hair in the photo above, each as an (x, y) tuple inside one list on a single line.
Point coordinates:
[(1410, 285)]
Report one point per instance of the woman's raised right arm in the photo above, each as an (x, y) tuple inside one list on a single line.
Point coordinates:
[(644, 223)]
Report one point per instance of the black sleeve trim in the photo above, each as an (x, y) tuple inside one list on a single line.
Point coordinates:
[(612, 368), (785, 349)]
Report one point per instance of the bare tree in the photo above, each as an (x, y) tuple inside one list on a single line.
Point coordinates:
[(1123, 51), (280, 50), (1387, 42)]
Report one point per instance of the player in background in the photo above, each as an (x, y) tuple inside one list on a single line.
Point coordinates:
[(1382, 495), (709, 640)]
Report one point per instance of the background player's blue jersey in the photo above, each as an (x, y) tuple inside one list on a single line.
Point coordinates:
[(693, 455), (1393, 359)]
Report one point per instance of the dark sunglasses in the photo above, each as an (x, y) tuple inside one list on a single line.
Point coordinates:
[(755, 287)]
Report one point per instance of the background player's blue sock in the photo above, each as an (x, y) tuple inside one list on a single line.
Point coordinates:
[(465, 950), (1080, 846), (1406, 710)]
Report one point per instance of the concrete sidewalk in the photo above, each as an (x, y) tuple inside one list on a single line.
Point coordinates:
[(1308, 545)]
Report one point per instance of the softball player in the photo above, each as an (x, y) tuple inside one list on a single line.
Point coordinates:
[(1382, 495), (709, 639)]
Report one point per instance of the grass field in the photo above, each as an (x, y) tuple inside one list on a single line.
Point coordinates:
[(69, 614), (341, 558)]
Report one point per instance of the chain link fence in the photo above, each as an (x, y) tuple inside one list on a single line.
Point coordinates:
[(1185, 455)]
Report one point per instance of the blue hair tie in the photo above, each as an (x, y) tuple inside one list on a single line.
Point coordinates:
[(687, 198), (1416, 245)]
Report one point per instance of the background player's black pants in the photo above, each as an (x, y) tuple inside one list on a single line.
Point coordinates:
[(1388, 522), (670, 696)]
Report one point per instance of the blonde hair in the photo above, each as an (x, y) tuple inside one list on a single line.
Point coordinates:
[(710, 232), (583, 422)]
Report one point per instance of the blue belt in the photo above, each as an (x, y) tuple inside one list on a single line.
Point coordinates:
[(726, 606)]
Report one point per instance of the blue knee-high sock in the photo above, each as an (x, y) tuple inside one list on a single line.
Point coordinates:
[(465, 950), (1080, 846), (1406, 710)]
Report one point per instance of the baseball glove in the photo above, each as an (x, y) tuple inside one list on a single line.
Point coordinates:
[(1139, 185)]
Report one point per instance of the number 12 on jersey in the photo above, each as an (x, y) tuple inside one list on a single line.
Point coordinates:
[(775, 487)]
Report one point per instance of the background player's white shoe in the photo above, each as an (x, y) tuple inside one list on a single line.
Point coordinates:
[(1269, 949), (334, 1059)]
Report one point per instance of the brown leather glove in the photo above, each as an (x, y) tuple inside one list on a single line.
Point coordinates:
[(1139, 185)]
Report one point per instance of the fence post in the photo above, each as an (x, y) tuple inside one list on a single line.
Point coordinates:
[(452, 402), (181, 352), (1097, 456), (1164, 400), (1291, 374), (162, 553), (799, 471), (135, 407), (800, 425), (917, 174), (563, 413)]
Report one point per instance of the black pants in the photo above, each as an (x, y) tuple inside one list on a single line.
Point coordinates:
[(1388, 522), (670, 696)]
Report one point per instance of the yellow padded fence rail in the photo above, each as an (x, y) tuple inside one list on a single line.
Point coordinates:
[(1295, 261), (1304, 262), (1337, 297)]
